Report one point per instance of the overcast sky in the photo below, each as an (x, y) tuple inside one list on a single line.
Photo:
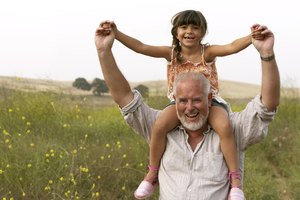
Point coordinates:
[(54, 39)]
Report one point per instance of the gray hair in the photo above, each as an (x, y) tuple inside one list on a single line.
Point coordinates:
[(192, 76)]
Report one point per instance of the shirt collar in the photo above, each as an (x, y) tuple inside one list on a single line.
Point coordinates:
[(209, 128)]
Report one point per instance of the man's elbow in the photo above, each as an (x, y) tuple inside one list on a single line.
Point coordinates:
[(124, 99), (272, 104)]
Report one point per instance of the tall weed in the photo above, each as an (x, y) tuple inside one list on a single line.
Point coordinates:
[(54, 146)]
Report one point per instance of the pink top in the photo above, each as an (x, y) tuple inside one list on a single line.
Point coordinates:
[(207, 69)]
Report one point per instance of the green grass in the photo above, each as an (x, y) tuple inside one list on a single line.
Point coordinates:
[(273, 166), (55, 146)]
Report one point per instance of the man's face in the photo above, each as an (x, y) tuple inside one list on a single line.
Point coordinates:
[(192, 105)]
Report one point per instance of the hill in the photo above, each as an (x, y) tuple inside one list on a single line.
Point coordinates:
[(228, 89), (31, 85)]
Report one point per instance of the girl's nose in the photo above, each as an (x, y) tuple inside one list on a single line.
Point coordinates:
[(189, 28)]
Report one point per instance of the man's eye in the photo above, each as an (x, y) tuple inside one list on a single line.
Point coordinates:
[(197, 101), (183, 101)]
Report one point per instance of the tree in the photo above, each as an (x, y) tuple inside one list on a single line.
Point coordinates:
[(144, 90), (81, 83), (99, 86)]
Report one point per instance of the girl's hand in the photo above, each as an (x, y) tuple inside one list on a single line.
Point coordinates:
[(256, 33), (109, 26)]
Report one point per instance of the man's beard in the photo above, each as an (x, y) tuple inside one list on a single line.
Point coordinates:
[(193, 126)]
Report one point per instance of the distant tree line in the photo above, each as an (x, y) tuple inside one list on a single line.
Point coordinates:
[(99, 87)]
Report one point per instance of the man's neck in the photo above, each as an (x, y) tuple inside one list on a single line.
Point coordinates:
[(195, 137)]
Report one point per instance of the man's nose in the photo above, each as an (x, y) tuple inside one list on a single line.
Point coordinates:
[(190, 105)]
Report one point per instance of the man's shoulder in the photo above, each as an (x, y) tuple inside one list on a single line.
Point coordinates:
[(250, 125)]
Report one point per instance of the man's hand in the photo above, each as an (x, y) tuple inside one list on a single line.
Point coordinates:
[(263, 40), (104, 39)]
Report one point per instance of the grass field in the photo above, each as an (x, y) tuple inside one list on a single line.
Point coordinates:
[(66, 146)]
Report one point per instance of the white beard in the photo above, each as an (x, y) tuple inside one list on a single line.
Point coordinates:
[(193, 126)]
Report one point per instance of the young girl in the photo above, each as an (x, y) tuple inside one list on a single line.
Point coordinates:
[(187, 54)]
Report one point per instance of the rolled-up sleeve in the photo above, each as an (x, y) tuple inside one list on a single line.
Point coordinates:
[(139, 116), (251, 124)]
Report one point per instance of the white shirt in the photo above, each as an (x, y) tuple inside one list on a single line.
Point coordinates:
[(201, 174)]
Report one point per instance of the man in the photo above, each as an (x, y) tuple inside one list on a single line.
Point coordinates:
[(193, 166)]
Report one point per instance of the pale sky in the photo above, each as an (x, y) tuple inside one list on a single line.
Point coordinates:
[(54, 39)]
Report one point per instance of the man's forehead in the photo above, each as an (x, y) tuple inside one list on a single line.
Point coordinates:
[(190, 82), (195, 97), (190, 85)]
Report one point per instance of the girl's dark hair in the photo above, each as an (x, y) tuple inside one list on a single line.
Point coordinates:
[(185, 18)]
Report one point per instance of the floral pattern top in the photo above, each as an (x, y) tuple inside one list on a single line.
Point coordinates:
[(207, 69)]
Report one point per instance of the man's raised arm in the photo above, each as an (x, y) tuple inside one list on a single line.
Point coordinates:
[(114, 79), (270, 86)]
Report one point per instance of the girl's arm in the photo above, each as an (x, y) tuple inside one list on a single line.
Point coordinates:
[(138, 46), (236, 46)]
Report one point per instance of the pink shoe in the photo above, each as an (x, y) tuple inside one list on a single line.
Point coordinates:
[(235, 192), (147, 186)]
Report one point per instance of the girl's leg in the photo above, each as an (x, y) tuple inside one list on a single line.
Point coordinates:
[(166, 121), (219, 120)]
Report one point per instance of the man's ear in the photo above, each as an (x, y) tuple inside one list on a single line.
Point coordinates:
[(209, 99)]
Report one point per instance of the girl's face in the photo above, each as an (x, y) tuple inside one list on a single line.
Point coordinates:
[(189, 35)]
